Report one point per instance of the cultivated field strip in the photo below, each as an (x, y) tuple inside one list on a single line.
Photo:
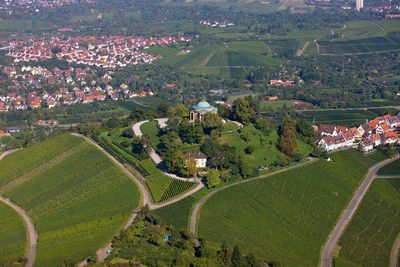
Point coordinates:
[(13, 240), (77, 205), (287, 217), (18, 164), (369, 238), (42, 168)]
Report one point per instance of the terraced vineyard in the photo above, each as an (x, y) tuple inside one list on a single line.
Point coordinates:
[(176, 187), (13, 240), (286, 217), (395, 182), (391, 169), (369, 238), (77, 204), (161, 186)]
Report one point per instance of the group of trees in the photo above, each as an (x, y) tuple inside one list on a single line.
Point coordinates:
[(152, 243), (245, 110)]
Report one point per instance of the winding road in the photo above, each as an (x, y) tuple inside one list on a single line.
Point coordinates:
[(30, 226), (197, 208), (146, 199), (394, 256), (162, 122), (344, 220)]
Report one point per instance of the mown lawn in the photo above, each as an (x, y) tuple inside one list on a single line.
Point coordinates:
[(287, 217), (369, 238), (13, 239), (77, 205), (151, 129), (265, 147)]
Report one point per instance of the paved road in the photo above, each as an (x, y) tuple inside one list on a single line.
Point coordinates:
[(29, 223), (30, 228), (146, 200), (395, 253), (154, 155), (8, 152), (333, 239), (197, 208)]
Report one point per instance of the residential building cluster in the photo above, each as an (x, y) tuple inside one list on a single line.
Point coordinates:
[(281, 83), (215, 24), (379, 131), (51, 88), (105, 51), (10, 5)]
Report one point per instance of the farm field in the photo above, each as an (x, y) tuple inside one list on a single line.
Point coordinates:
[(24, 25), (369, 238), (77, 204), (13, 239), (36, 155), (345, 117), (265, 150), (228, 60), (391, 169), (286, 217)]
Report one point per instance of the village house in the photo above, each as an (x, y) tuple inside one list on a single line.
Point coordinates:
[(199, 157)]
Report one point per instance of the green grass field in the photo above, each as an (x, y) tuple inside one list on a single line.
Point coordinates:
[(77, 204), (151, 129), (391, 169), (265, 149), (13, 239), (369, 238), (288, 216)]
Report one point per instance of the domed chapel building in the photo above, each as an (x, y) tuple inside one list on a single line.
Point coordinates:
[(197, 112)]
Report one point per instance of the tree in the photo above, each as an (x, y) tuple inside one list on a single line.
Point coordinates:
[(169, 143), (211, 121), (224, 255), (190, 133), (245, 169), (242, 111), (139, 148), (237, 258), (288, 141), (179, 110), (213, 178), (191, 167)]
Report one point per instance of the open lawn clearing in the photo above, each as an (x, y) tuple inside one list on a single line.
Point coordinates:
[(151, 129), (229, 127), (276, 105), (29, 158), (376, 156), (265, 147), (13, 241), (369, 238), (391, 169), (288, 216), (77, 205)]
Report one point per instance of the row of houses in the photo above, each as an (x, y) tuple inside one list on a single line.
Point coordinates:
[(379, 131)]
